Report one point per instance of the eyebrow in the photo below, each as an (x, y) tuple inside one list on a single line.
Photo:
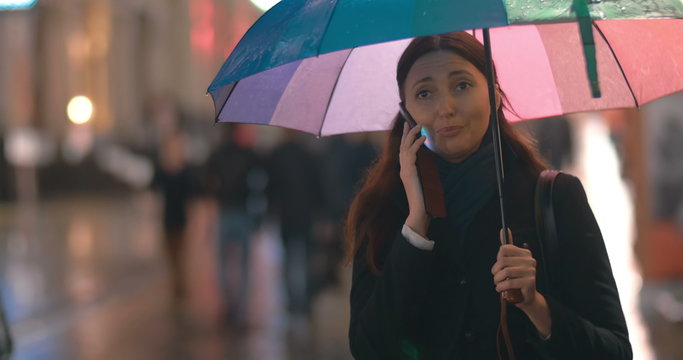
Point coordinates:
[(429, 78)]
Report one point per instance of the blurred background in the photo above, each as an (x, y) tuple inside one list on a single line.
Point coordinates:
[(132, 227)]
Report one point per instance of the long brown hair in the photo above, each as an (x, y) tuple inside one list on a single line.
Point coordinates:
[(374, 215)]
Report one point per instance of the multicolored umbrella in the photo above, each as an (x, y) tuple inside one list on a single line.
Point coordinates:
[(540, 68), (289, 40)]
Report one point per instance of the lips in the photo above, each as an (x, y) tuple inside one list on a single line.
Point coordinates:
[(449, 130)]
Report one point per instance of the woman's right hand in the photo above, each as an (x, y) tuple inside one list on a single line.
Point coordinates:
[(417, 219)]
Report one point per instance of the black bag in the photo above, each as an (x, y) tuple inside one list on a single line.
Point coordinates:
[(545, 225), (5, 336)]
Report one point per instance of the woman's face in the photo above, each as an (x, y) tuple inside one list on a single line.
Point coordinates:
[(448, 97)]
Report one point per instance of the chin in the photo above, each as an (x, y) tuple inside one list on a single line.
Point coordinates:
[(449, 154)]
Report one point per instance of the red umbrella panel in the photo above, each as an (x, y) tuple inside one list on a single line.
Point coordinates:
[(638, 61)]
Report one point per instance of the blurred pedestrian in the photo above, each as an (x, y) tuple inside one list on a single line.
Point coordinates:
[(174, 178), (347, 158), (233, 178), (554, 138), (296, 198)]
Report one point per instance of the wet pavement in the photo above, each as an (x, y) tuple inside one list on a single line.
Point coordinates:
[(85, 278)]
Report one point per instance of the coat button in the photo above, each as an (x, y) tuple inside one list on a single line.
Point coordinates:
[(469, 336)]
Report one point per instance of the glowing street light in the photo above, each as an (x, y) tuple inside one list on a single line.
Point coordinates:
[(79, 109), (264, 5), (16, 4)]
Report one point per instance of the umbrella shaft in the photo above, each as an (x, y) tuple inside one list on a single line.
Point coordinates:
[(495, 132)]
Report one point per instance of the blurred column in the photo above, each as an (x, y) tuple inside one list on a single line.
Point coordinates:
[(151, 59), (53, 68), (128, 84), (17, 79), (661, 131), (71, 43), (17, 68), (96, 62), (203, 18), (634, 168), (178, 56), (660, 215)]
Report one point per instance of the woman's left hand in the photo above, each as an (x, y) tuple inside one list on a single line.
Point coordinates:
[(515, 268)]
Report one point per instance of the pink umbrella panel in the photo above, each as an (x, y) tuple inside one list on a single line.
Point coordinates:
[(541, 69)]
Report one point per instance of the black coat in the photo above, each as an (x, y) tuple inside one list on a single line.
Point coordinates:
[(442, 304)]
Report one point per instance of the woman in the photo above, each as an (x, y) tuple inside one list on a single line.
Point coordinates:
[(429, 288), (173, 177)]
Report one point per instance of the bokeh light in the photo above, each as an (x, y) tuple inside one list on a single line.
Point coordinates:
[(16, 4), (264, 5), (79, 110)]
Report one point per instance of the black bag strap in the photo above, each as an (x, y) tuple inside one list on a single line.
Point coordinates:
[(546, 228)]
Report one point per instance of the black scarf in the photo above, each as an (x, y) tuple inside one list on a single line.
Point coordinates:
[(468, 185)]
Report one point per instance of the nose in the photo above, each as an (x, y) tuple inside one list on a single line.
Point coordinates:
[(446, 107)]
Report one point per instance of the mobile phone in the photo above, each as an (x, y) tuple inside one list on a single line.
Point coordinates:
[(406, 115)]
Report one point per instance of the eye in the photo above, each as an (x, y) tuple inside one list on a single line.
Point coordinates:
[(423, 94), (463, 86)]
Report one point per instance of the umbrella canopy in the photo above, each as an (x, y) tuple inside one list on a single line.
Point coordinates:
[(538, 67), (297, 29)]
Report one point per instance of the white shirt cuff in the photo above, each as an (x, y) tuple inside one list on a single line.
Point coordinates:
[(416, 239)]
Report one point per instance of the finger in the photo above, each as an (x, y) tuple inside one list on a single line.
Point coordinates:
[(498, 266), (404, 135), (416, 145), (513, 261), (512, 251), (518, 283), (409, 135), (415, 129), (514, 272)]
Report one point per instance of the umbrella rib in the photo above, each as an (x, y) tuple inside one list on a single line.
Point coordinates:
[(327, 26), (628, 83), (218, 114), (334, 87)]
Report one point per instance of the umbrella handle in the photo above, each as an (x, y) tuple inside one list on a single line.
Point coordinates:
[(512, 296)]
